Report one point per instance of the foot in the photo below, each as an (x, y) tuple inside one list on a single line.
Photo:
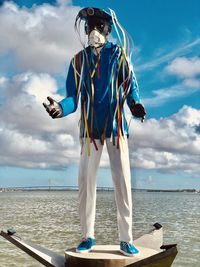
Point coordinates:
[(128, 249), (86, 245)]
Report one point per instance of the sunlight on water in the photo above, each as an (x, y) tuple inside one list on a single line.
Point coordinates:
[(51, 220)]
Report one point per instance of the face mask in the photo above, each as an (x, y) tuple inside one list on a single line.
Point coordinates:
[(96, 39)]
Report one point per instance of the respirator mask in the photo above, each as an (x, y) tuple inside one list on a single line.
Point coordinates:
[(97, 31), (96, 39), (98, 24)]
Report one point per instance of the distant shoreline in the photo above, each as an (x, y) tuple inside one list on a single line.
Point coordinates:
[(101, 189)]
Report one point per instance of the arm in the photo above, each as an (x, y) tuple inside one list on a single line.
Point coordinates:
[(131, 89), (133, 94), (133, 99), (69, 104)]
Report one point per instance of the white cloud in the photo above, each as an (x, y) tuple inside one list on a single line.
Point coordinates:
[(192, 83), (171, 143), (184, 67), (30, 138), (187, 116), (28, 151), (164, 57), (163, 95), (3, 80), (39, 86), (22, 103), (40, 39)]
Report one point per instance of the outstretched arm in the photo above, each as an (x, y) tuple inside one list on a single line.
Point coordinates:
[(67, 105), (133, 100), (128, 79)]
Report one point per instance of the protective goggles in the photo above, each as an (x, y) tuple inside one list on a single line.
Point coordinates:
[(97, 24), (95, 18)]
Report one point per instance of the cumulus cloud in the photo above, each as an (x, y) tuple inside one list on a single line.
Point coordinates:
[(40, 39), (23, 150), (30, 138), (184, 67), (170, 144), (187, 70), (192, 83)]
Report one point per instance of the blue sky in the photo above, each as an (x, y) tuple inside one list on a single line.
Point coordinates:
[(38, 42)]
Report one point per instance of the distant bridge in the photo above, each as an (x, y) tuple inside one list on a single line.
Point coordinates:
[(49, 188)]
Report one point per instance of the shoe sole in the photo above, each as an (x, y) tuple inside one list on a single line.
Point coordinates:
[(85, 250), (130, 255)]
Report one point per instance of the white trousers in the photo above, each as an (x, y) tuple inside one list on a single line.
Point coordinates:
[(120, 168)]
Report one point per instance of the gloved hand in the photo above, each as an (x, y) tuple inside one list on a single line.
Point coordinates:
[(54, 109), (138, 110)]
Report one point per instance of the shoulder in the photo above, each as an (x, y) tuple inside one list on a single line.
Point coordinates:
[(111, 46), (118, 48), (78, 58), (79, 54), (114, 50)]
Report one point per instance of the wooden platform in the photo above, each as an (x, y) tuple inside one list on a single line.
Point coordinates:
[(110, 256), (152, 253)]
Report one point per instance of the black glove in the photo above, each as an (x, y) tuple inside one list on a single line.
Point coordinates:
[(138, 110), (54, 109)]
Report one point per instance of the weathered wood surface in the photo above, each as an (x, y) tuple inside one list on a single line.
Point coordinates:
[(45, 256), (105, 256), (151, 255), (110, 256)]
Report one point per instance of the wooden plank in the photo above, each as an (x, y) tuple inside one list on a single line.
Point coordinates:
[(110, 256), (45, 256), (105, 256), (152, 254)]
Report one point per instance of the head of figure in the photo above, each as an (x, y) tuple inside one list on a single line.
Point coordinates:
[(98, 25)]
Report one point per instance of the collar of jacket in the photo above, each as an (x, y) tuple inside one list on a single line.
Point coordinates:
[(106, 45)]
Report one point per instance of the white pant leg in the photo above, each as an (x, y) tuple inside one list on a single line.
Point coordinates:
[(87, 187), (120, 168)]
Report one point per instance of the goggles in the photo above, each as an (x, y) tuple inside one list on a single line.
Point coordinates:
[(97, 24), (95, 19)]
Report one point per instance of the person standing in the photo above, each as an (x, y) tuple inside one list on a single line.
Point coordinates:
[(102, 76)]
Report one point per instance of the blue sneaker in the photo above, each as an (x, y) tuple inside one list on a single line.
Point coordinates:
[(86, 245), (128, 249)]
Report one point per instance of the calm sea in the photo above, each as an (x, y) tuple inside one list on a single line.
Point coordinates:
[(51, 220)]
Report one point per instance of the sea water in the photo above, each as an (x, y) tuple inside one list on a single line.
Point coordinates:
[(50, 218)]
